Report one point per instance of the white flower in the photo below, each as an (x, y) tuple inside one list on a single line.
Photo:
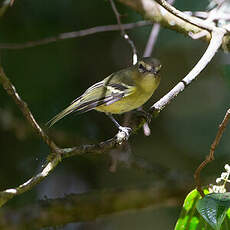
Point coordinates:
[(227, 168), (217, 189), (224, 175)]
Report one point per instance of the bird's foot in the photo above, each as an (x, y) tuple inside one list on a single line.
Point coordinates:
[(123, 134)]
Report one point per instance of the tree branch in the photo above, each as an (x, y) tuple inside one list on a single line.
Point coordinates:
[(153, 37), (101, 147), (152, 40), (123, 33), (215, 43), (187, 18), (210, 157), (74, 34), (11, 90), (53, 158), (59, 154), (29, 184), (173, 20)]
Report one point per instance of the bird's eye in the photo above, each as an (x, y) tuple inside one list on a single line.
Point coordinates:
[(156, 71), (141, 68)]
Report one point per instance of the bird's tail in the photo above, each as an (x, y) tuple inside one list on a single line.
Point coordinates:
[(81, 105), (63, 113)]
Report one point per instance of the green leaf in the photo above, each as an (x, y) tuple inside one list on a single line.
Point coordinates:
[(213, 207), (190, 218)]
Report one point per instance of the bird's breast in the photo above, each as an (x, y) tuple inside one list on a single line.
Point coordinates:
[(143, 92), (149, 83)]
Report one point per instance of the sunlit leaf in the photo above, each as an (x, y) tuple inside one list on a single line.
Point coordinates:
[(213, 207), (190, 218)]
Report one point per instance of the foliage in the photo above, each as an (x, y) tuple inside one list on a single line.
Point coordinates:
[(205, 213)]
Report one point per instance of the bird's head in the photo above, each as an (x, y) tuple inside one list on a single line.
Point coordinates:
[(148, 65)]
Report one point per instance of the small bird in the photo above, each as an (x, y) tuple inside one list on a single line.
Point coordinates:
[(120, 92)]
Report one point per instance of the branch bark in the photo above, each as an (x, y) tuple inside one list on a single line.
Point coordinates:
[(215, 43), (182, 23), (11, 90), (159, 14), (74, 34)]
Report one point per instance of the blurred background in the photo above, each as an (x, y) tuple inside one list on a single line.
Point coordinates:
[(49, 77)]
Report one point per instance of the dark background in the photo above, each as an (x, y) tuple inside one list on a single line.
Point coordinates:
[(49, 77)]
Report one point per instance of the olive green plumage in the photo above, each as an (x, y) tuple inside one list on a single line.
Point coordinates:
[(120, 92)]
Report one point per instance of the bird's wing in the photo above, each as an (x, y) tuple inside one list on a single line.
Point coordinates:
[(90, 89), (104, 92)]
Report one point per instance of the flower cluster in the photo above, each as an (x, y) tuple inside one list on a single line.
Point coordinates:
[(221, 181)]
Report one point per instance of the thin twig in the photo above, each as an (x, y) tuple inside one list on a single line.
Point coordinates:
[(69, 152), (205, 15), (109, 144), (127, 38), (53, 161), (153, 11), (11, 90), (74, 34), (57, 155), (11, 2), (217, 36), (195, 21), (102, 146), (152, 40), (153, 37), (210, 157), (123, 33)]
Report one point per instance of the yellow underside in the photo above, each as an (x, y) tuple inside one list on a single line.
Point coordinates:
[(124, 105), (131, 102)]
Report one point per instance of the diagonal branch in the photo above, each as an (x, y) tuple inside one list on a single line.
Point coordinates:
[(215, 43), (74, 34), (29, 184), (152, 40), (59, 154), (101, 147), (195, 21), (210, 157), (123, 33), (175, 21), (11, 90)]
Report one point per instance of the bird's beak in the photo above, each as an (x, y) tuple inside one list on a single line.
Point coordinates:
[(157, 69)]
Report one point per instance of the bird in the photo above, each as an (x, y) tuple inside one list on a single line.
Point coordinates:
[(120, 92)]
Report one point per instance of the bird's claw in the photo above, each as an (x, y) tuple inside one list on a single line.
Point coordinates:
[(123, 134)]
